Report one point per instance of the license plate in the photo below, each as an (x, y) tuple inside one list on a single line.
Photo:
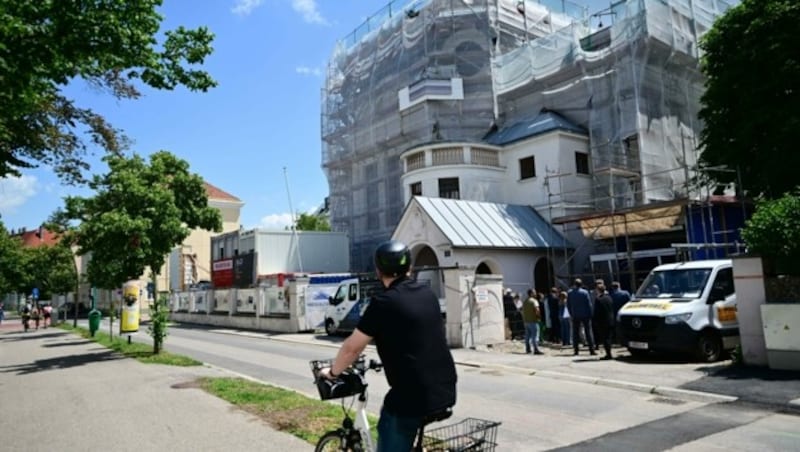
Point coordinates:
[(638, 345)]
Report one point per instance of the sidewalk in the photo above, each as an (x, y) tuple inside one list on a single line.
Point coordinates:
[(62, 392)]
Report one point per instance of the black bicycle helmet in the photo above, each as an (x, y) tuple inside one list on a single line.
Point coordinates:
[(392, 258)]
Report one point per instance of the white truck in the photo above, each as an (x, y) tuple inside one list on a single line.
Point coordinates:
[(348, 304), (683, 307), (352, 298)]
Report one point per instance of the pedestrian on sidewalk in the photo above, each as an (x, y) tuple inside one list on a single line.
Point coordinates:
[(553, 312), (2, 313), (566, 321), (619, 297), (35, 315), (531, 315), (47, 313), (603, 320), (579, 304)]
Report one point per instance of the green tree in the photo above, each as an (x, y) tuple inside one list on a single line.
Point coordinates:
[(140, 211), (751, 106), (774, 231), (11, 262), (112, 45), (312, 222), (50, 268)]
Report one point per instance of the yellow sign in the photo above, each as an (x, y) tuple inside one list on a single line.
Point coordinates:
[(726, 313), (129, 320), (646, 305)]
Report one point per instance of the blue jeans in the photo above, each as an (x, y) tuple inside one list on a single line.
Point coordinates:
[(532, 336), (397, 433), (566, 332)]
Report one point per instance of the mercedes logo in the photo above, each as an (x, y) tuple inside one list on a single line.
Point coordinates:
[(636, 322)]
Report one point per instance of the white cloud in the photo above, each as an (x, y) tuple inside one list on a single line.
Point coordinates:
[(15, 191), (276, 221), (305, 70), (310, 12), (245, 7)]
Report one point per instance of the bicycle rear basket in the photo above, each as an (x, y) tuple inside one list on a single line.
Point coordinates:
[(471, 434)]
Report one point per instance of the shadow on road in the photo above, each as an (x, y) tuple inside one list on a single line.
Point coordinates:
[(22, 336), (67, 344), (331, 339), (61, 362)]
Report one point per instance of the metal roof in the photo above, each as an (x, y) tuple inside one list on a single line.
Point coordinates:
[(546, 121), (473, 224)]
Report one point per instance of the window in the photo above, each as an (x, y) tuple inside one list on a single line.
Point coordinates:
[(527, 168), (581, 163), (416, 189), (448, 188), (723, 283)]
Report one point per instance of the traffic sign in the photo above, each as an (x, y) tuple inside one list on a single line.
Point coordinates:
[(35, 293)]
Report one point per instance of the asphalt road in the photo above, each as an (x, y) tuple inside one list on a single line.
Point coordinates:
[(536, 413)]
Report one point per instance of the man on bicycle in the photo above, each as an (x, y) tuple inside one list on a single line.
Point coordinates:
[(406, 323)]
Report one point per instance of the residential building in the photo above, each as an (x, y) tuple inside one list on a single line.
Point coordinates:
[(514, 103)]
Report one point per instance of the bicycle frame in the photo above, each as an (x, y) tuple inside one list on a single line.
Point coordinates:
[(362, 422)]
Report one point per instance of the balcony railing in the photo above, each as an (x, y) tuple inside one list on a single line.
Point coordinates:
[(452, 155), (485, 157), (447, 156)]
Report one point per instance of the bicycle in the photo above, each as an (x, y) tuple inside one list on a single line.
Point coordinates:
[(471, 434)]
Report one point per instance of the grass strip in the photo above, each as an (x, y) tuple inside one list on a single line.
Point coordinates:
[(283, 409), (139, 351)]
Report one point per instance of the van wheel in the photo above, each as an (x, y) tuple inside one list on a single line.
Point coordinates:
[(709, 347), (329, 328)]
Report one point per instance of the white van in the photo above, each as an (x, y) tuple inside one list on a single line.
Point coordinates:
[(348, 304), (683, 307)]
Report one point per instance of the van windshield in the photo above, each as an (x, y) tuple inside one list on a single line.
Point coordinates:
[(680, 283)]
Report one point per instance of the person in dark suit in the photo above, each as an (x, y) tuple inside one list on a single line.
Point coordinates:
[(603, 319), (579, 304)]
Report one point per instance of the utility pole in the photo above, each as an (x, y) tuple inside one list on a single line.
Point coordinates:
[(294, 221)]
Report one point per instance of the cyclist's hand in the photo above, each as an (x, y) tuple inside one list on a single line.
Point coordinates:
[(326, 373)]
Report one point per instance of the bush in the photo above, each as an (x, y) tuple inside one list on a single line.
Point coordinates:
[(774, 233), (159, 317)]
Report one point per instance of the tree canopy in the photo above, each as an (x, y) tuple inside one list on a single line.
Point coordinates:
[(11, 267), (111, 44), (312, 222), (774, 229), (140, 211), (50, 268), (751, 106)]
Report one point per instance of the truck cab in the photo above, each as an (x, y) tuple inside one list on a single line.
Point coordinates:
[(348, 304), (683, 307)]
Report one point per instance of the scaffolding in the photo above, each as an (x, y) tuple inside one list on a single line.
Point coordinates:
[(452, 70)]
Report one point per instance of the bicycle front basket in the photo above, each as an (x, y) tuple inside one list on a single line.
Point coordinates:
[(347, 384), (470, 434)]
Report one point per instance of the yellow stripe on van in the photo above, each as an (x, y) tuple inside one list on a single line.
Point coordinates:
[(645, 305), (726, 313)]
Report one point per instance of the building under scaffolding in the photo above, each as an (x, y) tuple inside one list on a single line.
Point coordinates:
[(442, 71)]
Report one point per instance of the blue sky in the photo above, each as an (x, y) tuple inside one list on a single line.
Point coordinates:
[(269, 60)]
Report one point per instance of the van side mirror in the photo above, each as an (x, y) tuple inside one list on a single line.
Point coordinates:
[(330, 301), (717, 294)]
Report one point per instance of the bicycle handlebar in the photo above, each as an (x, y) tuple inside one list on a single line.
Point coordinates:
[(360, 366)]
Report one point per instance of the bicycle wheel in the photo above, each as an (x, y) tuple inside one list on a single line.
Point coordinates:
[(334, 441)]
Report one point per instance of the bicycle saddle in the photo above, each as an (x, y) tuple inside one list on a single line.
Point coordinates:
[(437, 416)]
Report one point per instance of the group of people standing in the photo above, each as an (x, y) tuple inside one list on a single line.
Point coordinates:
[(568, 317), (37, 313)]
